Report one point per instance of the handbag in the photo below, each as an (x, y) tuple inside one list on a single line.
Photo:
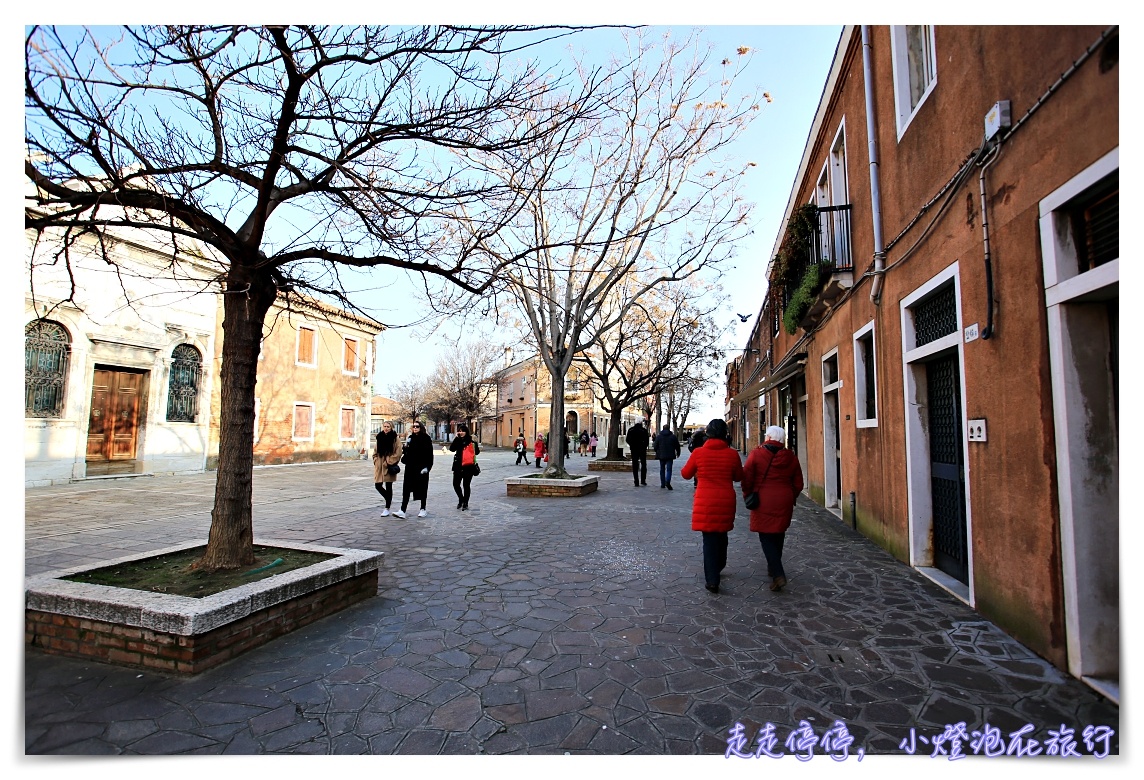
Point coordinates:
[(468, 456), (393, 469), (476, 468), (751, 500)]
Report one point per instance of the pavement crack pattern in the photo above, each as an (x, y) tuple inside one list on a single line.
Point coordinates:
[(566, 626)]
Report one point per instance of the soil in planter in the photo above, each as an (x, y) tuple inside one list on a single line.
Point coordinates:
[(172, 573)]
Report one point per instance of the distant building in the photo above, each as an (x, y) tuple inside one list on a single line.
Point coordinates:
[(382, 409), (940, 334), (312, 396), (116, 379)]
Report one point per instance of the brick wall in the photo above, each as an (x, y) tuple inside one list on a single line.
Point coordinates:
[(550, 491), (144, 648)]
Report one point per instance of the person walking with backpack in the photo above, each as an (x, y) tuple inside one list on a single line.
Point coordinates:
[(666, 451), (465, 452), (592, 443), (386, 456), (521, 447), (775, 475), (418, 460), (584, 444), (713, 506)]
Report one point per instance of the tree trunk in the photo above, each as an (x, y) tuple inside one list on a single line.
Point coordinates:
[(556, 430), (247, 299), (615, 449)]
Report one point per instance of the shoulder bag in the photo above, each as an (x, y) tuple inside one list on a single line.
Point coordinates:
[(751, 500)]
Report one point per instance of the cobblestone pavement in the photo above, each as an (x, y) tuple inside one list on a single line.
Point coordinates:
[(540, 626)]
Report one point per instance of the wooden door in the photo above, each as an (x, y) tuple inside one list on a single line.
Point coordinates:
[(113, 424)]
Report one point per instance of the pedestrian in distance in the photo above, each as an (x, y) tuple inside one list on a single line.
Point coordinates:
[(418, 460), (666, 451), (697, 439), (521, 447), (465, 452), (637, 440), (773, 472), (592, 442), (713, 506), (584, 440), (386, 456), (539, 449)]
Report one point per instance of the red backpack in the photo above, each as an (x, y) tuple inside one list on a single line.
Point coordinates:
[(468, 456)]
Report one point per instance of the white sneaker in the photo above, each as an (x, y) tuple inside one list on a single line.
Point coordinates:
[(385, 513), (398, 513), (422, 513)]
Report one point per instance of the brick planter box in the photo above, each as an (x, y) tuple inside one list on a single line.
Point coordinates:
[(610, 465), (535, 487), (182, 634)]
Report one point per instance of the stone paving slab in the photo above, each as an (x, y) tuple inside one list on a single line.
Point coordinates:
[(576, 626)]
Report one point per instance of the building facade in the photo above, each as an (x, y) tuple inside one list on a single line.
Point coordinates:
[(524, 404), (312, 395), (116, 379), (940, 332)]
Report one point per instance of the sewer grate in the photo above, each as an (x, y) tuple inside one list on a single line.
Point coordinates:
[(838, 657)]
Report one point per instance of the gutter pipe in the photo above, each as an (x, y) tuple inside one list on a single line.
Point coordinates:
[(875, 186)]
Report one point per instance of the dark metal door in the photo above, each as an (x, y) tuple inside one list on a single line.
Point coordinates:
[(947, 475)]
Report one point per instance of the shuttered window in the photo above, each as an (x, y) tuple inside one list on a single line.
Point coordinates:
[(307, 355), (349, 356)]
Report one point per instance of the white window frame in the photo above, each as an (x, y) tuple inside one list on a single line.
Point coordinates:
[(353, 436), (860, 377), (298, 346), (294, 421), (357, 355), (901, 65)]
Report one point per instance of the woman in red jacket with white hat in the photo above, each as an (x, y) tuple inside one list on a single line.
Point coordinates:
[(775, 474), (718, 468)]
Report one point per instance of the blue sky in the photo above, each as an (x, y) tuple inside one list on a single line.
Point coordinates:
[(791, 64)]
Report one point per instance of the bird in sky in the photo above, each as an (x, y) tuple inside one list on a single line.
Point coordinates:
[(743, 317)]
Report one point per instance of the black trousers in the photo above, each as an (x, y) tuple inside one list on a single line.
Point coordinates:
[(714, 555), (414, 485), (522, 454), (773, 550), (462, 478), (639, 467), (386, 490)]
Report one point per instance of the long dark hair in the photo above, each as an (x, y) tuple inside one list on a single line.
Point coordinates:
[(386, 442)]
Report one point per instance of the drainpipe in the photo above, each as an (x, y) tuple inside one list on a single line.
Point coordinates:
[(875, 188), (988, 331)]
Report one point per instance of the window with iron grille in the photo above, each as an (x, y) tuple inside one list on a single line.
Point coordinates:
[(47, 348), (183, 387), (1095, 216), (935, 316)]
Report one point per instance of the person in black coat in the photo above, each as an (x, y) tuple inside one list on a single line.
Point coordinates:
[(696, 442), (637, 440), (666, 451), (463, 473), (418, 460)]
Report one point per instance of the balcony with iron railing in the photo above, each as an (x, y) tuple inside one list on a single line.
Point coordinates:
[(818, 266)]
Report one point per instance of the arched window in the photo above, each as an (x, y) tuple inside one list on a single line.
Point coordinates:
[(46, 350), (183, 391)]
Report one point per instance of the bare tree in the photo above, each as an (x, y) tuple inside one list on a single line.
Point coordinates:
[(638, 192), (660, 342), (412, 395), (462, 383), (295, 154)]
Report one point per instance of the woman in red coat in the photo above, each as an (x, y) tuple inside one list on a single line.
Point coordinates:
[(718, 468), (775, 474)]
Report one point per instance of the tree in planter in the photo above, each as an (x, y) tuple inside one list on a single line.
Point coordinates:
[(294, 154), (664, 339), (636, 193)]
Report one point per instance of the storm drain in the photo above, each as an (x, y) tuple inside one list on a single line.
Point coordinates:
[(838, 657)]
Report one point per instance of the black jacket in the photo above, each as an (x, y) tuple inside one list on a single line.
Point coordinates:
[(666, 445), (458, 446), (418, 454), (697, 440), (637, 439)]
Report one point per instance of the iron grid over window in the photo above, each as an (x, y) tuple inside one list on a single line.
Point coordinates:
[(183, 391), (936, 316), (46, 351)]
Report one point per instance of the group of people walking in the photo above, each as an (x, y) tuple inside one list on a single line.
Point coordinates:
[(416, 455), (771, 480)]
